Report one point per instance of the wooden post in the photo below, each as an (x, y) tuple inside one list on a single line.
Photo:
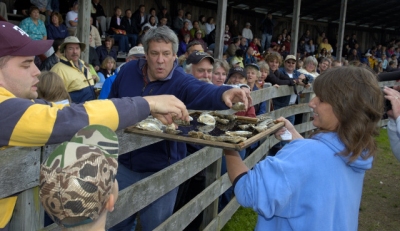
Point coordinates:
[(342, 25), (213, 172), (295, 27), (28, 214), (84, 26), (219, 33)]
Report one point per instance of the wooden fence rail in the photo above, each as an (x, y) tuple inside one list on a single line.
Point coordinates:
[(20, 166)]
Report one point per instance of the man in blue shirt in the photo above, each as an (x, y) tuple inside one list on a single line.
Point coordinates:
[(160, 74)]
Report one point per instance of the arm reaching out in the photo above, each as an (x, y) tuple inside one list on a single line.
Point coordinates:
[(235, 95), (164, 107)]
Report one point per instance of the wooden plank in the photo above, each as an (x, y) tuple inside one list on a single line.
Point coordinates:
[(218, 144), (213, 172), (342, 25), (26, 215), (187, 213), (19, 169), (83, 28), (129, 142), (180, 219), (220, 28), (224, 216), (139, 195), (295, 27)]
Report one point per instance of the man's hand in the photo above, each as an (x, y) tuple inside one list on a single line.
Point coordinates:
[(235, 95), (164, 107)]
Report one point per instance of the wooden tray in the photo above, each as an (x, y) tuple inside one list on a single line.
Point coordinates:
[(217, 144)]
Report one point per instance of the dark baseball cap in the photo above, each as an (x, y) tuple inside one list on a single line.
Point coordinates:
[(239, 70), (16, 42), (197, 56), (253, 65)]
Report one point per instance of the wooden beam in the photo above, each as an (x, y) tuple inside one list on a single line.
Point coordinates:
[(220, 28), (295, 27), (342, 25), (83, 32)]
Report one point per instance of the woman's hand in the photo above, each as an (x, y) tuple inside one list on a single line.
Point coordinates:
[(287, 127), (394, 97)]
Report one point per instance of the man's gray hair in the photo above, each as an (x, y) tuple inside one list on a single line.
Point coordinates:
[(160, 34)]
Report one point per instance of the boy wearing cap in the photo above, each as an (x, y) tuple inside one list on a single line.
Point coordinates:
[(77, 181)]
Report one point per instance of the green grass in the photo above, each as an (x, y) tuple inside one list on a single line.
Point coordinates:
[(380, 205), (243, 220)]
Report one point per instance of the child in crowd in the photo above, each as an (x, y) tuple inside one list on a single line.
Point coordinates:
[(77, 181), (107, 68), (237, 60), (51, 88), (264, 70)]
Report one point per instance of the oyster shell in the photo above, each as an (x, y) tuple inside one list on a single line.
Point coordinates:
[(210, 137), (226, 127), (230, 117), (222, 121), (206, 128), (239, 106), (231, 139), (170, 129), (263, 118), (153, 125), (245, 126), (262, 127), (195, 134), (206, 119), (239, 133), (182, 122), (267, 121)]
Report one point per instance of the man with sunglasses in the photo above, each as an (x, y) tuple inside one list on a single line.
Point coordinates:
[(289, 69)]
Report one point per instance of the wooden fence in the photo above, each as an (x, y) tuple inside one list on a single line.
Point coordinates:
[(19, 173)]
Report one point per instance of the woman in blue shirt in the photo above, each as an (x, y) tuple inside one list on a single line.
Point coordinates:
[(56, 29)]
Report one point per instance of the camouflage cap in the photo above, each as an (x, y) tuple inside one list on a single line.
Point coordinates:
[(78, 177)]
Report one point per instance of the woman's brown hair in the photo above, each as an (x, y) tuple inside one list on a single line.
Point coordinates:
[(357, 102), (273, 56), (51, 87), (59, 16)]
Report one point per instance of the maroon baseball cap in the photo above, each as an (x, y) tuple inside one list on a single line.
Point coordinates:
[(16, 42)]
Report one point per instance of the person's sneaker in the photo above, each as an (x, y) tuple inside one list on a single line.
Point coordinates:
[(120, 53), (103, 36)]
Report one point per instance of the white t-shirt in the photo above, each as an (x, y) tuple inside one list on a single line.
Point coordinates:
[(293, 97), (71, 16)]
